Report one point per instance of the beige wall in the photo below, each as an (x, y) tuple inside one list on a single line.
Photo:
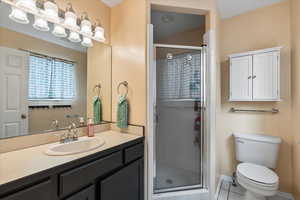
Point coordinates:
[(262, 28), (99, 71), (128, 40), (40, 119), (295, 18)]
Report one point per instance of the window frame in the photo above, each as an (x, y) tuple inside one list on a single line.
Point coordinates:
[(51, 102)]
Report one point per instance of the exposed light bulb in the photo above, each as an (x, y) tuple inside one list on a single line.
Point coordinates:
[(19, 16), (70, 17), (74, 37), (51, 10), (86, 25), (99, 33), (59, 31), (40, 24), (27, 4), (87, 42)]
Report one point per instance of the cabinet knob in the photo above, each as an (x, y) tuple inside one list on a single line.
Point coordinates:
[(249, 77), (254, 77), (23, 116)]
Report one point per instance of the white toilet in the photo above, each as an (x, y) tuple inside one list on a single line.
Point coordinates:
[(258, 155)]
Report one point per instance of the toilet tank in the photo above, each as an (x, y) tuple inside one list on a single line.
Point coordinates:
[(258, 149)]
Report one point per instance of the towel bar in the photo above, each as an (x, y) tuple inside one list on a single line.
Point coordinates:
[(273, 110)]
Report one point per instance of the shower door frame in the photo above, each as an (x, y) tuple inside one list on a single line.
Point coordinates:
[(202, 98), (211, 93)]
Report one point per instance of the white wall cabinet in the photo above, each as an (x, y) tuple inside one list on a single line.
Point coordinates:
[(255, 75)]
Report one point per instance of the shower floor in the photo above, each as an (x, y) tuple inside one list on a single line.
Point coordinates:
[(177, 179)]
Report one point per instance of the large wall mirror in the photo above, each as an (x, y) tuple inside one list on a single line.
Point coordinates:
[(47, 82)]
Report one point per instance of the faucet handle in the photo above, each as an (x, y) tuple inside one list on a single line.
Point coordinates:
[(69, 128), (55, 124), (75, 134), (62, 137)]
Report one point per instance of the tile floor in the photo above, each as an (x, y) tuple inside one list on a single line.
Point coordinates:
[(229, 192)]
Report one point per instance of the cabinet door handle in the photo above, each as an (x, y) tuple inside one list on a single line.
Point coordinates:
[(249, 77), (254, 76)]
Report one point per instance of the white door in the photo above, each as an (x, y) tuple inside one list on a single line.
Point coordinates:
[(13, 90), (265, 76), (240, 78)]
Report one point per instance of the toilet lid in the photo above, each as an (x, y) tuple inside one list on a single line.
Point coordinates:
[(258, 173)]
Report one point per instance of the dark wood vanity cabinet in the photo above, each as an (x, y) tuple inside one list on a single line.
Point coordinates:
[(116, 173), (86, 194), (124, 183)]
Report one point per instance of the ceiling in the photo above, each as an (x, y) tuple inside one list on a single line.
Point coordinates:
[(112, 3), (230, 8), (169, 23)]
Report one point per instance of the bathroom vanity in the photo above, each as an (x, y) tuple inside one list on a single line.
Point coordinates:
[(114, 171)]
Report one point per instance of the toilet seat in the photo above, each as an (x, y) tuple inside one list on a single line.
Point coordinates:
[(257, 179), (258, 174)]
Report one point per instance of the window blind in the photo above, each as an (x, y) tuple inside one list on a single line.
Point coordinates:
[(50, 79)]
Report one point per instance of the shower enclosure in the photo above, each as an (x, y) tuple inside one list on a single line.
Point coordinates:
[(179, 98)]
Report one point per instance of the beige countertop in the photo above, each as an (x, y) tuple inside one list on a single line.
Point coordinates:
[(18, 164)]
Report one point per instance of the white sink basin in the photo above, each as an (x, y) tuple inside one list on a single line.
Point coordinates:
[(83, 144)]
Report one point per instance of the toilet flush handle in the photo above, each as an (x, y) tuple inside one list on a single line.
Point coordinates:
[(240, 141)]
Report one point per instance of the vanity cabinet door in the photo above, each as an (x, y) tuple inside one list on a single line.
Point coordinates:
[(86, 194), (79, 177), (126, 184)]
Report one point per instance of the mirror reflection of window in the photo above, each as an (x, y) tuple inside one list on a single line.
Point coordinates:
[(50, 79)]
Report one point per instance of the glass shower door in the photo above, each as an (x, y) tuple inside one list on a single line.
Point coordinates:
[(179, 119)]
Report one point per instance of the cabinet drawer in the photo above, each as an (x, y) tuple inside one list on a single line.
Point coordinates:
[(134, 152), (79, 177), (86, 194), (39, 191)]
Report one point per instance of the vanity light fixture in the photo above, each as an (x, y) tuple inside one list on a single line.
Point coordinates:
[(29, 5), (99, 32), (18, 16), (51, 10), (40, 24), (47, 11), (74, 37), (70, 17), (87, 42), (86, 25)]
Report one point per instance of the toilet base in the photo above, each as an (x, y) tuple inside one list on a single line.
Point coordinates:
[(252, 196)]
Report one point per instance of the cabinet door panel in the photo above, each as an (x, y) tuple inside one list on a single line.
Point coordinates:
[(79, 177), (240, 78), (86, 194), (265, 76), (125, 184)]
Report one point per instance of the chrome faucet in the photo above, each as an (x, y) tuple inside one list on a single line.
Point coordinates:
[(71, 136)]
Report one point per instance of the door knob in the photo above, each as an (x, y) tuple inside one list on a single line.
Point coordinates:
[(23, 116)]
